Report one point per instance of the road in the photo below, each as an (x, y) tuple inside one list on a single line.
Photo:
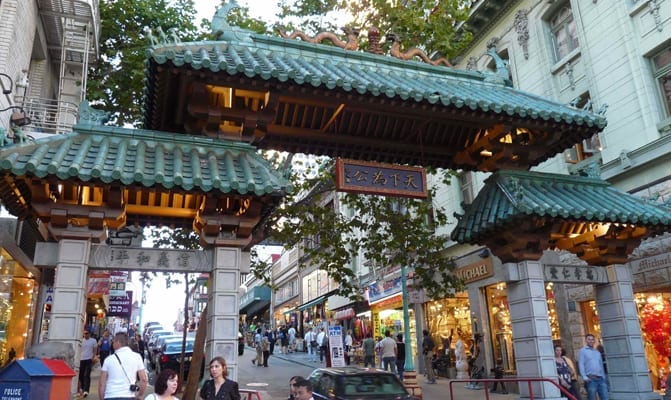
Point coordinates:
[(272, 382)]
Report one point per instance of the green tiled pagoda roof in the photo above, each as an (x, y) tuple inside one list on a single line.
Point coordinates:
[(511, 196), (273, 58), (147, 158)]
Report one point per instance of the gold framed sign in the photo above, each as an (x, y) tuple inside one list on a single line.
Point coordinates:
[(382, 179)]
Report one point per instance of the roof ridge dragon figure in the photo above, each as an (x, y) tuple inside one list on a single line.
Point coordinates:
[(413, 52), (350, 44)]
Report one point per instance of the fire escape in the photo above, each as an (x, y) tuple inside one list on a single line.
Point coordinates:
[(72, 30)]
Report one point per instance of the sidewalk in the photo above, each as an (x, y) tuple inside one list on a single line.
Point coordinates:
[(438, 391)]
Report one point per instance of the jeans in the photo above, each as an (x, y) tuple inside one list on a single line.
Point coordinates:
[(400, 367), (430, 375), (322, 352), (389, 362), (597, 385), (85, 374)]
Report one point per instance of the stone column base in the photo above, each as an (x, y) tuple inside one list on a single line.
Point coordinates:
[(410, 382)]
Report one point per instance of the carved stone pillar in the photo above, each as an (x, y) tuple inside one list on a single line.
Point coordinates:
[(68, 310), (223, 307), (532, 339), (621, 334)]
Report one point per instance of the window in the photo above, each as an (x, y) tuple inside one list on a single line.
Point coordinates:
[(564, 33), (588, 147), (662, 68)]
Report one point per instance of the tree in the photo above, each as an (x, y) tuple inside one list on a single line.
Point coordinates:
[(436, 26), (384, 231), (115, 83)]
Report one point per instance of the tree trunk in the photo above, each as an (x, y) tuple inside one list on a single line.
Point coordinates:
[(197, 359)]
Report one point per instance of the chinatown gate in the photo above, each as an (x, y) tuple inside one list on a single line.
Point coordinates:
[(210, 105)]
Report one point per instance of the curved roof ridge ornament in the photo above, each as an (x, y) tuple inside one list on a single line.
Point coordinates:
[(163, 39), (222, 30), (91, 116), (350, 44), (409, 54), (502, 73)]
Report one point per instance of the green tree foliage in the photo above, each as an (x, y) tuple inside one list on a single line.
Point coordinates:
[(436, 26), (384, 232), (115, 82)]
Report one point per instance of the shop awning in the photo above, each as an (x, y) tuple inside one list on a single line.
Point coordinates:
[(311, 303), (345, 314), (255, 299)]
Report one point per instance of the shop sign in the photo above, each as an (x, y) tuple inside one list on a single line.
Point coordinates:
[(382, 179), (574, 274), (336, 346), (476, 271), (117, 286), (650, 263), (99, 284), (389, 303), (345, 314), (380, 290), (120, 306)]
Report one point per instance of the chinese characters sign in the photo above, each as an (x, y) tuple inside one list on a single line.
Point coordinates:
[(144, 259), (574, 274), (385, 179)]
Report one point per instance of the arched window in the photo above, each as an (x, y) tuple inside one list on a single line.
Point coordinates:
[(564, 33)]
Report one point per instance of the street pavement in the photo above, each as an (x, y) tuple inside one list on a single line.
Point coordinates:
[(272, 382)]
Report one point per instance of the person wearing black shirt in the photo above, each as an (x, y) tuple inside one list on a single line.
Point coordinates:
[(400, 355)]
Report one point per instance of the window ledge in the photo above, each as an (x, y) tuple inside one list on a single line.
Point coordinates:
[(570, 57), (636, 7), (664, 127)]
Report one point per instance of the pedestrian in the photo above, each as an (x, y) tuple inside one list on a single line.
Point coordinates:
[(321, 341), (590, 364), (292, 387), (292, 339), (348, 346), (271, 339), (566, 372), (400, 356), (498, 374), (427, 351), (219, 387), (303, 390), (165, 386), (368, 346), (284, 340), (141, 345), (311, 342), (378, 352), (388, 346), (265, 349), (89, 351), (258, 346), (123, 375), (104, 346)]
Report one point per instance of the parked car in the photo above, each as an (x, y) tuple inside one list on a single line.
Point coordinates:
[(150, 330), (350, 383), (170, 356), (153, 353), (151, 343)]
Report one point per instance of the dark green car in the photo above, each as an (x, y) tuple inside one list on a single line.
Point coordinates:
[(353, 383)]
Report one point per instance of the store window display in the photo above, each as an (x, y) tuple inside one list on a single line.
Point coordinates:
[(17, 291), (502, 333), (448, 321)]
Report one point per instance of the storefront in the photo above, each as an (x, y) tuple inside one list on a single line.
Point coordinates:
[(314, 311), (17, 307), (386, 306)]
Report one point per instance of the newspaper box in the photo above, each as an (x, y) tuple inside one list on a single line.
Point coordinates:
[(35, 379)]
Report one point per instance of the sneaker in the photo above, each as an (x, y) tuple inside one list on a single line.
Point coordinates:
[(85, 394), (254, 362)]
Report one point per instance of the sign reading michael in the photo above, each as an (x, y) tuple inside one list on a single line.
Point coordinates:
[(384, 179)]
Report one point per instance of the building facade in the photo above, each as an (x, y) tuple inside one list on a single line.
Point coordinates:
[(610, 57)]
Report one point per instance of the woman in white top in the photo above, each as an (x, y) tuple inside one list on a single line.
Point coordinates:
[(165, 386)]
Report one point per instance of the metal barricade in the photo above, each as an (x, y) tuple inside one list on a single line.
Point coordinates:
[(519, 381)]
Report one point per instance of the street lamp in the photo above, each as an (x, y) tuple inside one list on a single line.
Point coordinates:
[(409, 363)]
